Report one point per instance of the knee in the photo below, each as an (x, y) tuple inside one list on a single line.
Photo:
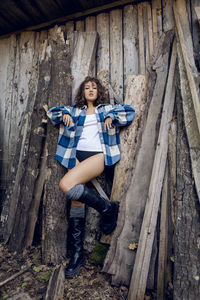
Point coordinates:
[(65, 186)]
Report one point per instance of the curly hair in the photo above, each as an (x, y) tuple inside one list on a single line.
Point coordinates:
[(102, 96)]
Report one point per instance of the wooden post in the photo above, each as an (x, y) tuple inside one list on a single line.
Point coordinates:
[(141, 40), (54, 203), (116, 52), (141, 266), (130, 41)]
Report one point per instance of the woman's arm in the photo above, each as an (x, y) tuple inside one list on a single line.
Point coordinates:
[(56, 114), (121, 114)]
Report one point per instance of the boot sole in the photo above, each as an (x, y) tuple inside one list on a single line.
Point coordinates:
[(76, 271), (114, 224)]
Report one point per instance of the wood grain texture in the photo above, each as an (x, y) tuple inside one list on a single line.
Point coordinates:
[(130, 41), (143, 256), (116, 52), (120, 259)]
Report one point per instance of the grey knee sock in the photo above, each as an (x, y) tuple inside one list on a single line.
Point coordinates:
[(75, 193), (77, 212)]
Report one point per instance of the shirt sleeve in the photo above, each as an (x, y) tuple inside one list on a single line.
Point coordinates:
[(121, 114), (55, 114)]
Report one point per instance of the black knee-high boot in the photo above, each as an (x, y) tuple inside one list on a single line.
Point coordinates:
[(108, 210), (77, 226)]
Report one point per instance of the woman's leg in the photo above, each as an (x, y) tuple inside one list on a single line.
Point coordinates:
[(83, 172)]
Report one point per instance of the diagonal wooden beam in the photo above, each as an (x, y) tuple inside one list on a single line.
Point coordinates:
[(191, 74), (143, 256)]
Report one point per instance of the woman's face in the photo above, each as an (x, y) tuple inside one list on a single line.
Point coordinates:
[(90, 91)]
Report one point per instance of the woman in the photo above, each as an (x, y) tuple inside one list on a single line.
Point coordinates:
[(88, 140)]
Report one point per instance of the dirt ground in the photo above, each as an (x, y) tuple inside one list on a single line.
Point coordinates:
[(91, 284)]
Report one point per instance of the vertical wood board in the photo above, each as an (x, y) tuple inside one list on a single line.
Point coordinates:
[(116, 52), (103, 56), (80, 25), (142, 62), (130, 41), (90, 23), (83, 60)]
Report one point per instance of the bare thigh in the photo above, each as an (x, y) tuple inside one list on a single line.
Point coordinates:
[(83, 172)]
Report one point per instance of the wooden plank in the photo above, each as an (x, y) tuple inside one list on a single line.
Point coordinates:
[(150, 29), (120, 259), (168, 18), (55, 289), (163, 239), (80, 25), (141, 266), (197, 11), (191, 71), (21, 88), (155, 28), (172, 159), (103, 55), (116, 52), (191, 124), (69, 28), (146, 34), (90, 23), (157, 7), (186, 243), (142, 64), (7, 65), (83, 61), (195, 23), (130, 41)]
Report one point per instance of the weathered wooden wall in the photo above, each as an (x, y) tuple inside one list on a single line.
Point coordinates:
[(132, 40), (118, 55)]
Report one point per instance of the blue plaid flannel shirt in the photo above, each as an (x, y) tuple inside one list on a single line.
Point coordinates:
[(121, 115)]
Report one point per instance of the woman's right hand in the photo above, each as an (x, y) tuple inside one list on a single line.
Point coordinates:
[(67, 119)]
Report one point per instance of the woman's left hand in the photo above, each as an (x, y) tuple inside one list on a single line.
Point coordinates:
[(107, 123)]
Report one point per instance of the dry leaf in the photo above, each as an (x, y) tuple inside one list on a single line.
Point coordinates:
[(133, 246)]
